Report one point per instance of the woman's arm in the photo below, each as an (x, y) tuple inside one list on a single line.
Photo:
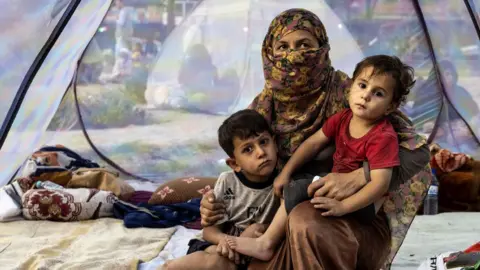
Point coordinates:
[(411, 163), (414, 153)]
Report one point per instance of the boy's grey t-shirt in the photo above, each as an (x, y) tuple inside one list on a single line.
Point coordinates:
[(246, 202)]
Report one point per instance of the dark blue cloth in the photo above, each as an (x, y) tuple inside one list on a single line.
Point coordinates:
[(156, 216)]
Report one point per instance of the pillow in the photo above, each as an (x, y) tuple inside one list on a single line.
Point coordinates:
[(67, 204), (182, 190)]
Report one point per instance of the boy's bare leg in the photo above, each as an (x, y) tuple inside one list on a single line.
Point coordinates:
[(210, 259), (202, 260), (262, 247)]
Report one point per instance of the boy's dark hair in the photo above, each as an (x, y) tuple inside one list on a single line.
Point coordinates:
[(384, 64), (243, 124)]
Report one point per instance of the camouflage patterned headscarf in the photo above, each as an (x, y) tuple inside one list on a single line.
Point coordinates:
[(301, 88)]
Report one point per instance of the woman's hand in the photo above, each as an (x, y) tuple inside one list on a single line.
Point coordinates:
[(281, 180), (338, 186), (211, 210)]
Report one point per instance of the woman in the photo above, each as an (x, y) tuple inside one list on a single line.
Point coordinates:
[(302, 90), (200, 88)]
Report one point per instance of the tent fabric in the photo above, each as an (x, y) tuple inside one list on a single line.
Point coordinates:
[(152, 101), (28, 131), (25, 35)]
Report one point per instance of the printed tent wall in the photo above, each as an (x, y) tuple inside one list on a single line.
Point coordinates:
[(150, 103)]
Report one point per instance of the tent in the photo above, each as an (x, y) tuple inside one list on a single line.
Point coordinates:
[(150, 104)]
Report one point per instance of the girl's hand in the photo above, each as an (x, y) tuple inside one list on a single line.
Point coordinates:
[(332, 206)]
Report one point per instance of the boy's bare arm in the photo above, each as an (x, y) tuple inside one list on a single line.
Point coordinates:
[(213, 234), (371, 192)]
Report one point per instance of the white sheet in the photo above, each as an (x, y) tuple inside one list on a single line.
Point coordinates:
[(176, 247)]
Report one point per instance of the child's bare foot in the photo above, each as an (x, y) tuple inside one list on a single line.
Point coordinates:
[(259, 248)]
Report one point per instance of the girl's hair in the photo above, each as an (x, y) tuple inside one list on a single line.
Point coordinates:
[(384, 64)]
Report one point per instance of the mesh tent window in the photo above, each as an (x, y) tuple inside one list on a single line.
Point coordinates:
[(151, 101)]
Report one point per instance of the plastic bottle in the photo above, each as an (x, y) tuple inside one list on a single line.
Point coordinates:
[(47, 185), (430, 205)]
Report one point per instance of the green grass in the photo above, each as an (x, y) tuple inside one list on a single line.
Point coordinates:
[(204, 147), (171, 166)]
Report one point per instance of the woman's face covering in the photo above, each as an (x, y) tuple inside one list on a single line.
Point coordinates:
[(296, 40)]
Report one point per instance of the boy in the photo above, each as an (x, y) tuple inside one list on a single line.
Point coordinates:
[(247, 190), (361, 132)]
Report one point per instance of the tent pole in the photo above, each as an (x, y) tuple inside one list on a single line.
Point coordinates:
[(473, 16), (32, 71), (73, 84), (436, 70), (170, 16)]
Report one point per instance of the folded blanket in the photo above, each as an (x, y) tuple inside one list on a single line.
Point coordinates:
[(140, 196), (156, 216), (447, 161), (459, 180), (101, 179)]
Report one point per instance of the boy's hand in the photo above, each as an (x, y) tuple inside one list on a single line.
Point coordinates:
[(223, 249), (281, 180), (332, 206)]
